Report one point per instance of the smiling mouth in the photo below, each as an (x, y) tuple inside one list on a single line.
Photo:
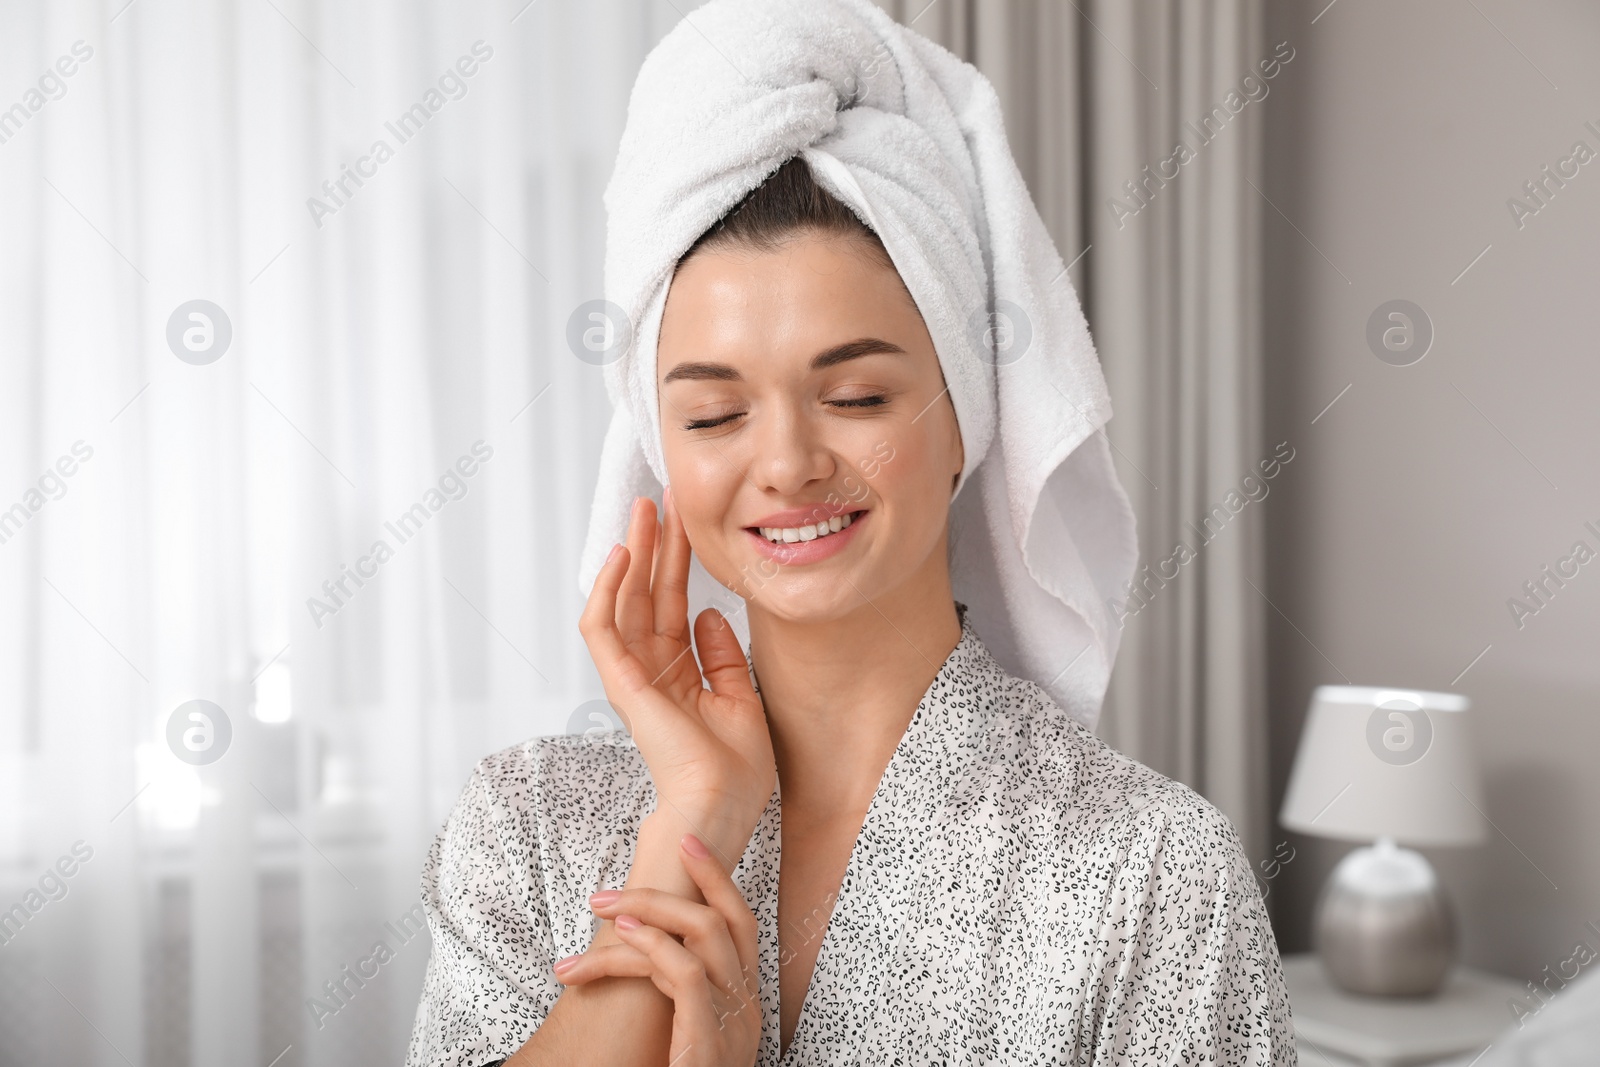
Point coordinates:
[(789, 535)]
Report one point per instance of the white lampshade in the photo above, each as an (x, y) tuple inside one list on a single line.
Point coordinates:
[(1386, 762)]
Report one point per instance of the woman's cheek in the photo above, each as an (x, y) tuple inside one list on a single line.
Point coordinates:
[(862, 462), (703, 491), (908, 475), (888, 463)]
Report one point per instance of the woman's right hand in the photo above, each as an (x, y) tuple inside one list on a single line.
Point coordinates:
[(708, 749)]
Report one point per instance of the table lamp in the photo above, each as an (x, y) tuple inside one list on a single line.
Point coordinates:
[(1387, 767)]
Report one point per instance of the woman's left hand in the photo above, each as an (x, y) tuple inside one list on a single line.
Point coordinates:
[(712, 976)]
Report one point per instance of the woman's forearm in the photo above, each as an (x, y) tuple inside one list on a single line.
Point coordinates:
[(618, 1022)]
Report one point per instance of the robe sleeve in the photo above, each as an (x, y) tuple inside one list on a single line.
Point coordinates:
[(490, 980), (1189, 968)]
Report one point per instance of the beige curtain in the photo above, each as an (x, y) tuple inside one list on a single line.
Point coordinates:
[(1170, 275)]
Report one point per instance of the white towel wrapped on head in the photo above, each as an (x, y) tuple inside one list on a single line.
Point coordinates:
[(912, 139)]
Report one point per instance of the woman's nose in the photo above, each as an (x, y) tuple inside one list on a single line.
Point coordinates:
[(788, 454)]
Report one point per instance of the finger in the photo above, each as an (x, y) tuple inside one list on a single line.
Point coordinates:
[(635, 613), (655, 558), (670, 586), (626, 681), (676, 971), (598, 622), (698, 1018), (722, 660), (609, 961), (704, 930), (723, 897)]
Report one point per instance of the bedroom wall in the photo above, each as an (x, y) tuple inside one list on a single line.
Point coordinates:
[(1426, 495)]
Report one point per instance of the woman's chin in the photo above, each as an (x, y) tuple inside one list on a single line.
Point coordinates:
[(806, 603)]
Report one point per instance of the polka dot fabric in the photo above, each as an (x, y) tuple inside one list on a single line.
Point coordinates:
[(1019, 893)]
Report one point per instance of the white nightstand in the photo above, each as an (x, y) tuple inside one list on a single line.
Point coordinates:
[(1462, 1019)]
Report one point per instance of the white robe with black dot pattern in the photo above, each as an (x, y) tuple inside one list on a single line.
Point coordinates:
[(1019, 893)]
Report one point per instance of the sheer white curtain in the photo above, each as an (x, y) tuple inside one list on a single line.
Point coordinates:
[(182, 529)]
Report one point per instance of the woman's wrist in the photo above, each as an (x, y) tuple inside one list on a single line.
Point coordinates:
[(657, 862), (655, 858), (656, 865)]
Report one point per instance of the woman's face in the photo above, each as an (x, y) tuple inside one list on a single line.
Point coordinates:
[(801, 386)]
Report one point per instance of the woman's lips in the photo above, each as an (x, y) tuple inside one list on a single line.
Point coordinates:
[(795, 553)]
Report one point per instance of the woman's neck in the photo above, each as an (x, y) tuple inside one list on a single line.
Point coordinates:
[(839, 695)]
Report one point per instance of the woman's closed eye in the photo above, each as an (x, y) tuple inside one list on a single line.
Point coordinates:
[(712, 422), (876, 400)]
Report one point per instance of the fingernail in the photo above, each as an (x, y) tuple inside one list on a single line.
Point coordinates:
[(611, 557), (693, 846), (628, 922), (565, 964), (666, 497), (604, 899)]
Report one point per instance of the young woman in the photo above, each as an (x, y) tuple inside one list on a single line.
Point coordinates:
[(868, 841)]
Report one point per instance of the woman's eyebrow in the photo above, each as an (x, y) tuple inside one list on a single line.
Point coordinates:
[(722, 372)]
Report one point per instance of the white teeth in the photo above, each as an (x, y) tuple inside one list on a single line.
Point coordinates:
[(792, 534)]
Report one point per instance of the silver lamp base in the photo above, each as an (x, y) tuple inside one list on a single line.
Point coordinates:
[(1383, 925)]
